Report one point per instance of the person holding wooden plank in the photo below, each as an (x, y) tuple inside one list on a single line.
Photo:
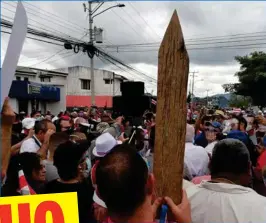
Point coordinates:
[(128, 189)]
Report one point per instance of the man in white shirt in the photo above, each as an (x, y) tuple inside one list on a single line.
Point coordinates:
[(196, 158), (226, 198), (38, 143)]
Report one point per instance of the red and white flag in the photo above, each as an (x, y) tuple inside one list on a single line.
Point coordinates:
[(153, 101), (25, 188)]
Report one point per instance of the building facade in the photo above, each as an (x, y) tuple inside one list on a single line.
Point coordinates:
[(78, 89), (38, 89)]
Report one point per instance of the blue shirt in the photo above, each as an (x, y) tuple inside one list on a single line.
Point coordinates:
[(200, 140)]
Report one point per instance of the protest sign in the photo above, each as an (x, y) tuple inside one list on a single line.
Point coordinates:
[(15, 44), (50, 208)]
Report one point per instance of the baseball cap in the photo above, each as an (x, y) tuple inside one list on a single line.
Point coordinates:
[(236, 134), (213, 124)]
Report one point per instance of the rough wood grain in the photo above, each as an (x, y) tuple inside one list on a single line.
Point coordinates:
[(171, 115)]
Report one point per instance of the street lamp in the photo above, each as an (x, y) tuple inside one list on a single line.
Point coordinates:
[(114, 6), (92, 15)]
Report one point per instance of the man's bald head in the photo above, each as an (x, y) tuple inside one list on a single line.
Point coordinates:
[(230, 156), (121, 180)]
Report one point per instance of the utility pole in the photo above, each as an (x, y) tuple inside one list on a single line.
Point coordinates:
[(91, 59), (91, 15), (193, 80), (113, 83), (207, 99)]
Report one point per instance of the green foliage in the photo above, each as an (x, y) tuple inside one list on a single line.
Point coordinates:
[(239, 101), (230, 88), (252, 78)]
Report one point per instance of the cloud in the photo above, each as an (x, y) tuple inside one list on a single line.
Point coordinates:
[(146, 22)]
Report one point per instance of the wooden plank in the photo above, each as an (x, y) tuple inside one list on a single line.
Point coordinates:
[(171, 115)]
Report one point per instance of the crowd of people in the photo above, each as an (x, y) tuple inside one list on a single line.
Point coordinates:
[(108, 160)]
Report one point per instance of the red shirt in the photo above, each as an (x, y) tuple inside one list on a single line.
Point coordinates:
[(261, 163)]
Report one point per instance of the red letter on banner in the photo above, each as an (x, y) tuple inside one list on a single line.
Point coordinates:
[(5, 213), (24, 213), (53, 207)]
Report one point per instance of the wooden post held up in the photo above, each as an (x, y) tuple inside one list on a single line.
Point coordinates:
[(171, 115)]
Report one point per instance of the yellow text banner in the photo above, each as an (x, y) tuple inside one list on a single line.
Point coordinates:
[(50, 208)]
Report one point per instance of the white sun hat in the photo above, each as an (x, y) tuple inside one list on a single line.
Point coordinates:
[(28, 123), (103, 144)]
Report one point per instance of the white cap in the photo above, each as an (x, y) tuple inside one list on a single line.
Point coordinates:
[(28, 123), (103, 144)]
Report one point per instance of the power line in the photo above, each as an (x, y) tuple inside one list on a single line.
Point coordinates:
[(52, 29), (70, 54), (155, 44), (230, 36), (34, 57), (8, 24), (32, 38), (144, 20), (236, 46), (42, 12), (116, 60), (50, 57), (123, 69), (112, 63), (137, 32), (132, 18), (56, 16)]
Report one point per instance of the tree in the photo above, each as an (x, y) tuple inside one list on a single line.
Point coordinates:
[(230, 88), (239, 101), (252, 78)]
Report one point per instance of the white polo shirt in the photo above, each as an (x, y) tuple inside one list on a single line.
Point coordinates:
[(31, 145), (196, 161), (225, 203)]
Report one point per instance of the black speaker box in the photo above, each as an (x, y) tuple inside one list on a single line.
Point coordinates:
[(130, 88), (133, 106)]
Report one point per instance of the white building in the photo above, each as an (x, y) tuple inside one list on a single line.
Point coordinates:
[(107, 85), (38, 89)]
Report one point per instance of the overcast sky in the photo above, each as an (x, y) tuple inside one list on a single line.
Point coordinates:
[(205, 25)]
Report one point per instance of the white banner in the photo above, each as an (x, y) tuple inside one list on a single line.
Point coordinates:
[(15, 44)]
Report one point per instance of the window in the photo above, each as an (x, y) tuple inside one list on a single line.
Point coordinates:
[(108, 81), (85, 84), (45, 79), (26, 79), (18, 78)]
